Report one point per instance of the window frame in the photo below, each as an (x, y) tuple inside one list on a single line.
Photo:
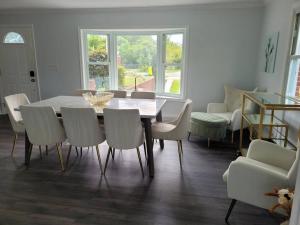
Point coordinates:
[(112, 49), (292, 55)]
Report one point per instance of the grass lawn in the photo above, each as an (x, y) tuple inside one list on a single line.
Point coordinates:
[(128, 81)]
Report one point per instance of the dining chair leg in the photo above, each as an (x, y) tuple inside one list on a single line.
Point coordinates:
[(14, 144), (181, 147), (68, 156), (46, 149), (107, 158), (140, 160), (113, 153), (40, 149), (60, 157), (145, 150), (80, 151), (30, 150), (232, 137), (76, 151), (99, 158), (179, 153)]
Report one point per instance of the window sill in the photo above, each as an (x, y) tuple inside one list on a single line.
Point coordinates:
[(171, 98)]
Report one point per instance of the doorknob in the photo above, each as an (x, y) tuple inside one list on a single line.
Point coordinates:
[(31, 73)]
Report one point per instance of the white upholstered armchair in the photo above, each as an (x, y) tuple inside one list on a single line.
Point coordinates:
[(265, 167), (230, 109)]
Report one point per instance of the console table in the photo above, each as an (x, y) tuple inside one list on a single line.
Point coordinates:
[(264, 123)]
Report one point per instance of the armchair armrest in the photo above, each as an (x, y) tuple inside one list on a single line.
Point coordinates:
[(272, 154), (216, 108), (236, 120)]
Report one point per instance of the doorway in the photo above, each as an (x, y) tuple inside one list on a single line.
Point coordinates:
[(18, 67)]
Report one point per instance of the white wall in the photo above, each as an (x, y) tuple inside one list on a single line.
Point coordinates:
[(278, 17), (222, 44)]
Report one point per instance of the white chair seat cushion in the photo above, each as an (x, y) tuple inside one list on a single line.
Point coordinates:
[(162, 130), (268, 168), (158, 127), (19, 127)]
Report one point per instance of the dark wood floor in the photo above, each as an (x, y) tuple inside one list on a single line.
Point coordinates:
[(195, 195)]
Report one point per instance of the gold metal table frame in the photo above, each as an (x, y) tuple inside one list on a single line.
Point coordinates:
[(268, 103)]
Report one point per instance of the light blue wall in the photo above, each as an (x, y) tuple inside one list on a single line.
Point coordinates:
[(222, 45)]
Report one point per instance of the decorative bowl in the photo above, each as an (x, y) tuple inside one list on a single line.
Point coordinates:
[(99, 99)]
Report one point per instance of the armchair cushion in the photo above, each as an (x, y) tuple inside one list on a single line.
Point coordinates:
[(216, 108), (233, 99), (272, 154)]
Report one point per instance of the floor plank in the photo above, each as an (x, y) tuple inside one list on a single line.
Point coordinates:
[(196, 195)]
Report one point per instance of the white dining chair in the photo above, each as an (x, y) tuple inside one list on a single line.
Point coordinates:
[(143, 94), (124, 130), (175, 130), (43, 128), (83, 129), (118, 94), (12, 102)]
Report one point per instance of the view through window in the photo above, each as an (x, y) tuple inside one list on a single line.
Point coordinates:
[(134, 60), (293, 84)]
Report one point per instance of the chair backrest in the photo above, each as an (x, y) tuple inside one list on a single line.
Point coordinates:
[(123, 128), (82, 126), (119, 94), (79, 92), (42, 125), (182, 122), (12, 102), (143, 94)]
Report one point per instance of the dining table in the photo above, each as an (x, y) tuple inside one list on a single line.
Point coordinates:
[(149, 109)]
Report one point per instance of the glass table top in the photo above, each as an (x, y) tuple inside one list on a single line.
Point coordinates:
[(274, 99)]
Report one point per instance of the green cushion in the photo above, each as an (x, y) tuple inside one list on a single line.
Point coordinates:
[(208, 119), (208, 125)]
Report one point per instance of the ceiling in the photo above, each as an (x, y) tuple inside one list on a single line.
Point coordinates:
[(71, 4)]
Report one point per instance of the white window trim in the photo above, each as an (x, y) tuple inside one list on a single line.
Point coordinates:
[(289, 57), (113, 51)]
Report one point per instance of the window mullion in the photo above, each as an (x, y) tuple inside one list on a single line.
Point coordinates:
[(115, 63), (160, 65)]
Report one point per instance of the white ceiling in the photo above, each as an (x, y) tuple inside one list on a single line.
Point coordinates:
[(66, 4)]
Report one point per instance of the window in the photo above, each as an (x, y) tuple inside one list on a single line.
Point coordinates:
[(134, 60), (293, 83), (13, 38)]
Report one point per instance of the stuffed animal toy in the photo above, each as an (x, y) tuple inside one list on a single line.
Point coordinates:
[(285, 200)]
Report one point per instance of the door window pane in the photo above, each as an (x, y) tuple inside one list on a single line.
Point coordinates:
[(13, 38), (98, 77), (172, 79), (136, 62), (97, 48)]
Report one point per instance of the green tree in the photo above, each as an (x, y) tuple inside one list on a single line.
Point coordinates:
[(173, 52), (137, 51)]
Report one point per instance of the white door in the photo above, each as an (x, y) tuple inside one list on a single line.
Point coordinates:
[(18, 70)]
